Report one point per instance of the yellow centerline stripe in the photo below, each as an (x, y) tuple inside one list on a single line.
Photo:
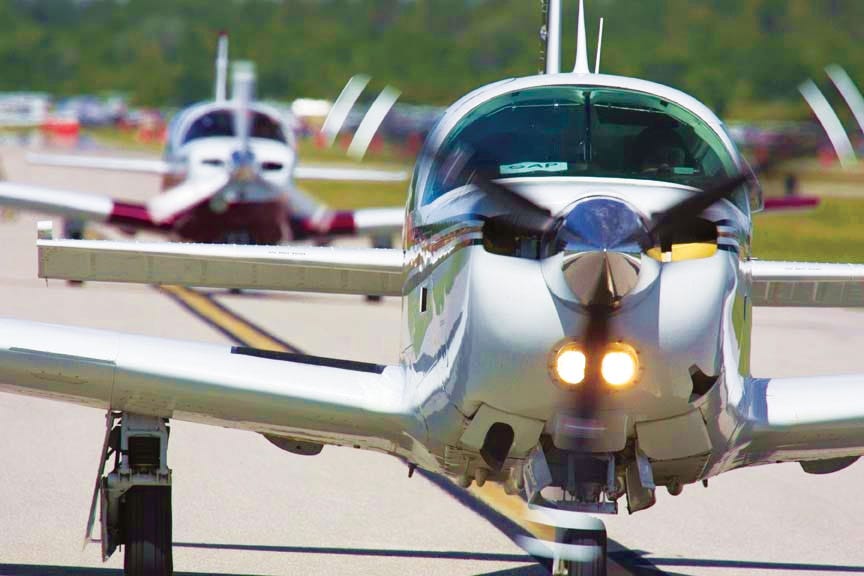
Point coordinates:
[(224, 320), (513, 507)]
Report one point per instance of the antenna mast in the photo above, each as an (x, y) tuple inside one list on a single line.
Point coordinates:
[(552, 30), (221, 88)]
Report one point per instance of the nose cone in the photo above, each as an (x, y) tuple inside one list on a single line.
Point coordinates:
[(602, 241), (243, 165), (601, 277)]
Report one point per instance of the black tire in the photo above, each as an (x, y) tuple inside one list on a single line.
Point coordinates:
[(147, 528), (596, 538)]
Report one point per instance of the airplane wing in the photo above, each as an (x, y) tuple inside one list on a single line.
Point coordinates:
[(371, 221), (155, 166), (311, 172), (364, 222), (320, 400), (806, 284), (365, 271), (818, 421), (74, 204), (157, 213), (145, 165)]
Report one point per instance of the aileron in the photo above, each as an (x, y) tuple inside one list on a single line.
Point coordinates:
[(364, 271), (807, 284)]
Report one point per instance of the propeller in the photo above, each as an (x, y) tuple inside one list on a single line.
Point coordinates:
[(191, 192)]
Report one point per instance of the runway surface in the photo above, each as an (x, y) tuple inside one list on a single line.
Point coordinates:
[(241, 506)]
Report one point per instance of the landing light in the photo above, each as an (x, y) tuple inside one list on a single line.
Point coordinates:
[(620, 366), (570, 365)]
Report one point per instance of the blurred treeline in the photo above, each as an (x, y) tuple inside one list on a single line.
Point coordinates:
[(743, 57)]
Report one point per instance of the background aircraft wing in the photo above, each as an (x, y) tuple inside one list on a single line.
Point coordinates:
[(321, 400), (311, 172), (364, 222), (74, 204), (146, 165), (366, 271), (807, 284), (370, 221), (815, 420)]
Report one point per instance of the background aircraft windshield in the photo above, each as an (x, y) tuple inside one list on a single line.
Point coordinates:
[(573, 131), (221, 123)]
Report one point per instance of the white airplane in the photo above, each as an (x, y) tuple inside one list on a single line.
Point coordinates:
[(577, 291), (228, 176)]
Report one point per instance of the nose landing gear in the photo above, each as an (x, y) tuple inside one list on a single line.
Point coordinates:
[(565, 489), (585, 551)]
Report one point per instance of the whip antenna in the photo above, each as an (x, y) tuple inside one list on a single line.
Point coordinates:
[(599, 48)]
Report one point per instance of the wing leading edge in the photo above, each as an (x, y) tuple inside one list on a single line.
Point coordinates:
[(806, 419), (319, 400)]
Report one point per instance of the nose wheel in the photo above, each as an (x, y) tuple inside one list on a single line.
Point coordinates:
[(585, 552)]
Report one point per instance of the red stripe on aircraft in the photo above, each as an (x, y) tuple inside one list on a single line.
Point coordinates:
[(791, 202), (128, 214)]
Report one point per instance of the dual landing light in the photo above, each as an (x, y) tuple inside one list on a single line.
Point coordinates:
[(619, 366)]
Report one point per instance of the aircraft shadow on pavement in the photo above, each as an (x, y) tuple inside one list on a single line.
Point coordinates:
[(534, 570), (632, 560), (43, 570), (388, 553)]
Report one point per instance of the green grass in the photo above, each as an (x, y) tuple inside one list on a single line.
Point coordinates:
[(390, 156), (834, 232), (351, 195)]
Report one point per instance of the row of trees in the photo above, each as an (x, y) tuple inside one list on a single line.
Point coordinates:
[(737, 55)]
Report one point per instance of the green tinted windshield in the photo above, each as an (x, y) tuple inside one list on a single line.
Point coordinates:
[(576, 131)]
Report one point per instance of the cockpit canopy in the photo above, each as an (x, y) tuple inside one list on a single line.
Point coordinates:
[(579, 131), (221, 123)]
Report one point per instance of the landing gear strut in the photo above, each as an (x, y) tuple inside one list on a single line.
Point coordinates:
[(135, 497)]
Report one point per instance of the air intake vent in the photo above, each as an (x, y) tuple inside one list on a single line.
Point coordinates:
[(702, 383)]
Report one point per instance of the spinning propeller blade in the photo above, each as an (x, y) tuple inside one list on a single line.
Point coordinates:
[(186, 195)]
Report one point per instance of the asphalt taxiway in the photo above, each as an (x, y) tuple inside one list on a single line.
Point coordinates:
[(241, 506)]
